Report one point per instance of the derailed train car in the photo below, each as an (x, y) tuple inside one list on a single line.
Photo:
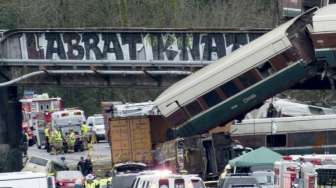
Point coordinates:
[(205, 155), (232, 86)]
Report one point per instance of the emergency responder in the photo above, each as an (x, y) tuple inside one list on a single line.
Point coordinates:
[(57, 142), (105, 182), (271, 111), (85, 137), (47, 138), (51, 142), (88, 167), (84, 128), (109, 182), (81, 165), (24, 142), (71, 139), (90, 181), (97, 183)]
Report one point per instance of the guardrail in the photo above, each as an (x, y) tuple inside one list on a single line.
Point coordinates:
[(112, 63)]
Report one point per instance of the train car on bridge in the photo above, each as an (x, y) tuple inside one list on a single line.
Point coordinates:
[(324, 34), (241, 81)]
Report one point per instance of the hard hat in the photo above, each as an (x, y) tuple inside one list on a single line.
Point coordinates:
[(89, 177)]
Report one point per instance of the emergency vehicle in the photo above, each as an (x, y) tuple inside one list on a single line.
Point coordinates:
[(286, 173), (69, 119), (36, 114), (307, 171)]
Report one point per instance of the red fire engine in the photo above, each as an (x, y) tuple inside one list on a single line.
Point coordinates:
[(36, 112)]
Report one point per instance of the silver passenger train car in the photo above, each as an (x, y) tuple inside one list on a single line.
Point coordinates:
[(241, 81), (289, 135)]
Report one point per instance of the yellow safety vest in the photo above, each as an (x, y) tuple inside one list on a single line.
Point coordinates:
[(109, 180), (97, 182), (46, 132), (57, 136), (103, 182), (90, 184), (85, 129), (72, 138)]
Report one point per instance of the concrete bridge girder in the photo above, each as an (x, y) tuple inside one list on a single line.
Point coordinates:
[(96, 77)]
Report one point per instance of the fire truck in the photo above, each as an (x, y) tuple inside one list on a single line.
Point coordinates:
[(308, 171), (36, 113)]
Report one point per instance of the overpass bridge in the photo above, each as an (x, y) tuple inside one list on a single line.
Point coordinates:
[(117, 57)]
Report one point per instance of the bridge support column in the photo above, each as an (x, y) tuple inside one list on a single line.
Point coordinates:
[(10, 130)]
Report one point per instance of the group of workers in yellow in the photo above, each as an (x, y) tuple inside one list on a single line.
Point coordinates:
[(54, 144), (54, 139)]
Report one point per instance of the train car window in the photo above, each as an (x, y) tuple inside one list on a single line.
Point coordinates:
[(178, 117), (229, 89), (290, 55), (163, 183), (265, 69), (248, 79), (315, 110), (179, 183), (202, 103), (212, 98), (278, 140), (279, 62), (221, 93), (194, 108)]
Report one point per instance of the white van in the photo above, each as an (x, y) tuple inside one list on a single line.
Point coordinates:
[(97, 124), (26, 180), (159, 179)]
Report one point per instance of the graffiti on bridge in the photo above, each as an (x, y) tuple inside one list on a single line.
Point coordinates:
[(131, 46)]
